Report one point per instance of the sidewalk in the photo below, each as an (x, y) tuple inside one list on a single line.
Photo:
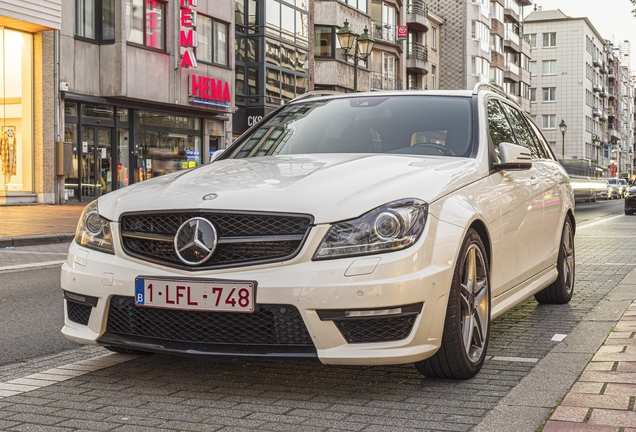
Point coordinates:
[(38, 224)]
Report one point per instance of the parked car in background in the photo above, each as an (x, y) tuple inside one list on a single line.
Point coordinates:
[(616, 191), (623, 187), (603, 189), (630, 199), (584, 188), (360, 229)]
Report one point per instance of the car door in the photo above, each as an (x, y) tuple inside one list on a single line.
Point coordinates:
[(520, 195), (555, 178)]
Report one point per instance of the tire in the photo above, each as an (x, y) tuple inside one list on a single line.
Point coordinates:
[(467, 316), (121, 350), (561, 290)]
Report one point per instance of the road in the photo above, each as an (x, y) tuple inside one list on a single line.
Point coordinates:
[(172, 393)]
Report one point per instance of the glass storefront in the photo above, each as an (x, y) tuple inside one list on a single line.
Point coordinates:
[(114, 147), (16, 111)]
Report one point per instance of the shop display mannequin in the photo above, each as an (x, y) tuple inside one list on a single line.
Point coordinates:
[(8, 154)]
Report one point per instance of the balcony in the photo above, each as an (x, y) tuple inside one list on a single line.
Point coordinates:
[(597, 63), (383, 81), (417, 57), (611, 73), (597, 88), (603, 69), (382, 31), (611, 91), (417, 15), (511, 72), (512, 39), (596, 112)]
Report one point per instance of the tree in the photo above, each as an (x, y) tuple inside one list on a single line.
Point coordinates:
[(633, 10)]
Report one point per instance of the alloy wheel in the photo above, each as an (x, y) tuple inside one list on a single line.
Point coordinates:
[(568, 257), (475, 303)]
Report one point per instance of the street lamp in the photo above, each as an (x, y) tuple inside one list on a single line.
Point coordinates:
[(362, 46), (564, 129)]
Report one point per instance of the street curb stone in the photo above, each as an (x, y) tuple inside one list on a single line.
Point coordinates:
[(36, 240)]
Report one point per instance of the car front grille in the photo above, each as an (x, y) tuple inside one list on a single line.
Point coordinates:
[(243, 238), (78, 313), (269, 325), (376, 329)]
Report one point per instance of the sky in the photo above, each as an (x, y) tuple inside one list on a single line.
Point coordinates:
[(613, 19)]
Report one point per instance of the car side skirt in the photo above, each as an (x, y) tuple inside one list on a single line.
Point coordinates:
[(506, 301)]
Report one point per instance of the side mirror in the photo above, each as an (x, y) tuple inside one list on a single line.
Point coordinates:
[(216, 155), (513, 157)]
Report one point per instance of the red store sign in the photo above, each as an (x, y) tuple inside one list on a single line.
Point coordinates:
[(188, 33), (209, 89)]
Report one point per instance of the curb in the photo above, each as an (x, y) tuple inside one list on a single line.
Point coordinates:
[(35, 240)]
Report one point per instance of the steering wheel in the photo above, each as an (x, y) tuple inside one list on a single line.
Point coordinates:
[(442, 149)]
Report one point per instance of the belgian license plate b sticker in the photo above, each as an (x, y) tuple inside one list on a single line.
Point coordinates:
[(139, 291)]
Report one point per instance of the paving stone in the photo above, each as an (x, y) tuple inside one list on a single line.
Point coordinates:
[(595, 366), (570, 414), (335, 424), (596, 401), (88, 425), (620, 389), (558, 426), (613, 417), (587, 387)]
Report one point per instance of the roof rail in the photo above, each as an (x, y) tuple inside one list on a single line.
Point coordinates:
[(315, 93), (492, 88)]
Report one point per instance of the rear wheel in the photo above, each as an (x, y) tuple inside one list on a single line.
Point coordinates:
[(467, 323), (560, 291)]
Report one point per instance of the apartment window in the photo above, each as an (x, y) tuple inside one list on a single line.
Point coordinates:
[(496, 11), (549, 67), (95, 20), (549, 40), (496, 76), (532, 38), (358, 4), (549, 94), (480, 66), (532, 67), (496, 43), (533, 95), (213, 44), (525, 90), (480, 31), (433, 77), (146, 23), (434, 37), (549, 121)]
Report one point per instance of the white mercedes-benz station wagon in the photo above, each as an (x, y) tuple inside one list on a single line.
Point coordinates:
[(361, 229)]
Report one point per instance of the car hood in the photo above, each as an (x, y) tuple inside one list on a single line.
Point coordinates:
[(331, 187)]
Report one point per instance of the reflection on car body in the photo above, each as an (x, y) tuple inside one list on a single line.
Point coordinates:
[(371, 228)]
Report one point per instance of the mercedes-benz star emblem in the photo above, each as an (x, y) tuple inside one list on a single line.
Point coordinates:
[(195, 241)]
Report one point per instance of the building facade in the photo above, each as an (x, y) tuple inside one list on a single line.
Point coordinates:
[(483, 41), (569, 75), (146, 89), (27, 94)]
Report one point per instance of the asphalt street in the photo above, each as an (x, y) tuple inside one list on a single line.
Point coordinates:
[(173, 393)]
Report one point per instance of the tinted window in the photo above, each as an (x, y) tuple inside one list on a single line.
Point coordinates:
[(524, 138), (498, 126), (540, 140), (431, 125)]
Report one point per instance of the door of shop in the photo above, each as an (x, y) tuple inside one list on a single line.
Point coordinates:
[(97, 175)]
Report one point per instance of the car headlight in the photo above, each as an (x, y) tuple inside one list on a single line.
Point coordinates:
[(93, 231), (391, 227)]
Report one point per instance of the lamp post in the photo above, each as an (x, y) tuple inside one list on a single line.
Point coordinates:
[(564, 129), (362, 46)]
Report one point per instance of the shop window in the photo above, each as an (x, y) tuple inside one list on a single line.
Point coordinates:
[(146, 23), (16, 112), (212, 41), (95, 20)]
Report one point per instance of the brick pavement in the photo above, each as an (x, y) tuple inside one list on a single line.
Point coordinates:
[(172, 393)]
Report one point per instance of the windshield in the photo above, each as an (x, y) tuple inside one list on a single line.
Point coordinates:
[(420, 125)]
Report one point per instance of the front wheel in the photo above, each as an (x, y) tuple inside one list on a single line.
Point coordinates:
[(560, 291), (467, 323)]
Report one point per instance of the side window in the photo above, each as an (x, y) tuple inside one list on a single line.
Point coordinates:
[(521, 131), (541, 142), (498, 126)]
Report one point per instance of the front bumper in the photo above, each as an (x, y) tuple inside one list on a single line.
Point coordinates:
[(421, 274), (630, 203)]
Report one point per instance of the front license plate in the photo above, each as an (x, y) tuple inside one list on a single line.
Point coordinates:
[(214, 296)]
